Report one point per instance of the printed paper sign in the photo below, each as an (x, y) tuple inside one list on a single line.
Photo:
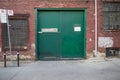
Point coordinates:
[(77, 28), (10, 12), (3, 16), (4, 13)]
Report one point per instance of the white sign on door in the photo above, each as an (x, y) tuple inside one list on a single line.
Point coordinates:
[(49, 30), (77, 28)]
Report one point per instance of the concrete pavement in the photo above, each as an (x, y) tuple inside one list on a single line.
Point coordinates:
[(64, 70)]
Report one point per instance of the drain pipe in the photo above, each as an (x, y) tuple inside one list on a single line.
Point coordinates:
[(96, 31)]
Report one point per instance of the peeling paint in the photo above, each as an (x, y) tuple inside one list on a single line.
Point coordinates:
[(104, 42), (33, 46)]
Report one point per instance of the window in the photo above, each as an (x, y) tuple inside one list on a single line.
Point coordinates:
[(111, 16), (18, 33)]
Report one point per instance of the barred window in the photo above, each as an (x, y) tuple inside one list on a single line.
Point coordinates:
[(18, 33), (111, 16)]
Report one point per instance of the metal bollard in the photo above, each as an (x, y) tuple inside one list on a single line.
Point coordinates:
[(18, 59), (4, 59)]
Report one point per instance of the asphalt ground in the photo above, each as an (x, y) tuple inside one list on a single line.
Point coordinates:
[(91, 69)]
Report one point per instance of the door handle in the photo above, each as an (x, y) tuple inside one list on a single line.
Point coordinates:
[(40, 32)]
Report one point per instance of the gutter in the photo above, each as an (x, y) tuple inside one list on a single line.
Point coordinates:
[(96, 31)]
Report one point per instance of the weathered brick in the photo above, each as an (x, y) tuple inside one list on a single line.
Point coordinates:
[(27, 7)]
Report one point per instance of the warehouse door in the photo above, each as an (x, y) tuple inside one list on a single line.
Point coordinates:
[(60, 34), (72, 31)]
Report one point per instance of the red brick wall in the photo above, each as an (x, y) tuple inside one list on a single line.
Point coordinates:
[(102, 33), (27, 7)]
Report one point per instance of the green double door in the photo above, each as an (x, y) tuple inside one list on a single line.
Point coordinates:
[(60, 34)]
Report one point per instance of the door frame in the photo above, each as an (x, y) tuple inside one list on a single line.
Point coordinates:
[(58, 9)]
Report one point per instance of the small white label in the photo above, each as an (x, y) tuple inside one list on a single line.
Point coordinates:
[(10, 12), (77, 28), (49, 30)]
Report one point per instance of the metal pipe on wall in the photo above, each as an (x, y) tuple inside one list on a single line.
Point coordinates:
[(96, 31)]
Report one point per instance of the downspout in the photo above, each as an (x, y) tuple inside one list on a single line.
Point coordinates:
[(96, 31)]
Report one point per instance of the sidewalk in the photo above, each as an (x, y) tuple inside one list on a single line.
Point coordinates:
[(90, 60), (91, 69)]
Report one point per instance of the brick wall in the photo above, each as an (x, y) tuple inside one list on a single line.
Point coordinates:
[(27, 7), (102, 33)]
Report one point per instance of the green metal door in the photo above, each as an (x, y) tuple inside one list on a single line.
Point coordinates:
[(60, 34), (48, 35), (73, 34)]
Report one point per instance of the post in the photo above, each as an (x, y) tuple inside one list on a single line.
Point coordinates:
[(4, 59), (9, 38), (18, 59)]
